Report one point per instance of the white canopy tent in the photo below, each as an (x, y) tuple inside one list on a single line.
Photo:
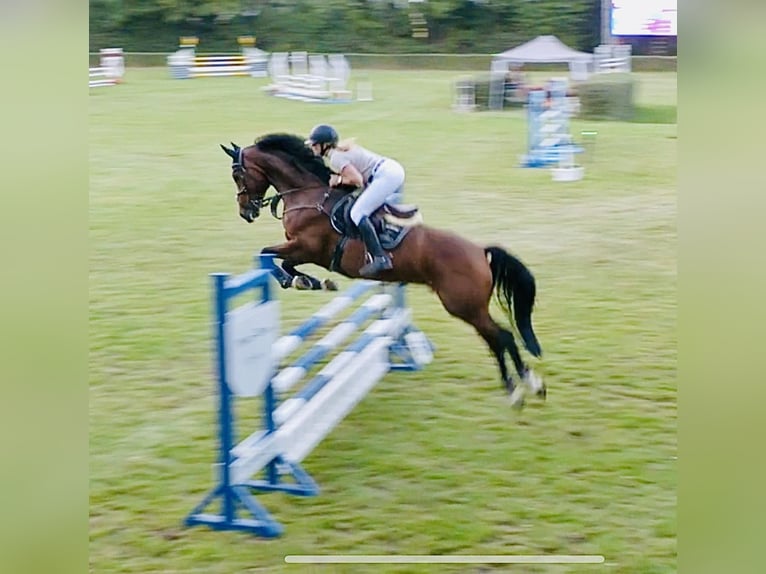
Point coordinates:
[(541, 50)]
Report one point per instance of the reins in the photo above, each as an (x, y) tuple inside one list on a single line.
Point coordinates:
[(274, 200), (319, 205)]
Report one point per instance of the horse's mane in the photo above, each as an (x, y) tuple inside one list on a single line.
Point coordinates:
[(297, 149)]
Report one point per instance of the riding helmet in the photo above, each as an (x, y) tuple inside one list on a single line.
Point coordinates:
[(323, 134)]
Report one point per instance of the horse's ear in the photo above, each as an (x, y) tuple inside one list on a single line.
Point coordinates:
[(230, 152), (235, 146)]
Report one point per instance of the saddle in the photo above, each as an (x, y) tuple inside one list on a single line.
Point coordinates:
[(392, 223)]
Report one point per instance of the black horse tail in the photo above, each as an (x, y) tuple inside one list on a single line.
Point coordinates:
[(512, 281)]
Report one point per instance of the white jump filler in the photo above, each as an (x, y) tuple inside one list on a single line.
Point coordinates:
[(249, 351)]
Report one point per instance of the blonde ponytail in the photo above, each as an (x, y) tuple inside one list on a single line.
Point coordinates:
[(346, 144)]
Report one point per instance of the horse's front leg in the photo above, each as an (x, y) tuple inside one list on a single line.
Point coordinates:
[(303, 280), (281, 251), (287, 275)]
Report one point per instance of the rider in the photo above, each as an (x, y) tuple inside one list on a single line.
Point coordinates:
[(379, 176)]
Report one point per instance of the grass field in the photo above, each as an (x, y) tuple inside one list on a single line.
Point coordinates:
[(433, 462)]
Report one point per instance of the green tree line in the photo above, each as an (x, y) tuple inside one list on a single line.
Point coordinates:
[(361, 26)]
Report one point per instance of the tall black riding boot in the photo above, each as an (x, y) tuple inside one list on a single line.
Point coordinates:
[(380, 260)]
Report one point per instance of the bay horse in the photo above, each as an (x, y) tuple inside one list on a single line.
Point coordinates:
[(461, 273)]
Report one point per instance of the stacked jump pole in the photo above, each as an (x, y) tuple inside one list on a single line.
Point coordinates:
[(186, 63), (549, 141), (308, 77), (110, 70), (249, 353), (609, 58)]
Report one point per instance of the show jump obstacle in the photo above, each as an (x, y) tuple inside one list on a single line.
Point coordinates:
[(249, 351), (185, 63), (612, 58), (313, 78), (110, 71), (549, 141)]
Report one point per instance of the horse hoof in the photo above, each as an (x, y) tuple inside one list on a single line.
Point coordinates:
[(517, 398), (536, 384), (329, 285), (301, 283)]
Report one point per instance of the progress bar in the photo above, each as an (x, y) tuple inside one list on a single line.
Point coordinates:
[(444, 559)]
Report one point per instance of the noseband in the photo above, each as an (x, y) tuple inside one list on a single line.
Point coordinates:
[(238, 166)]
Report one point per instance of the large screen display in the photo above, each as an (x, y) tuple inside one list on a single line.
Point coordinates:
[(644, 18)]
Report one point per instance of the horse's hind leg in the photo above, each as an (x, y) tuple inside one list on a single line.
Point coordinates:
[(473, 310), (499, 341), (504, 341)]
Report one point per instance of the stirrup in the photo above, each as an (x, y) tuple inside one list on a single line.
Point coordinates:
[(378, 264)]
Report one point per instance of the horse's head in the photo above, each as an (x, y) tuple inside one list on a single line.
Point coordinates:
[(283, 161), (251, 183)]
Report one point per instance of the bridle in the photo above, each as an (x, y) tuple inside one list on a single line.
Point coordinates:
[(238, 165)]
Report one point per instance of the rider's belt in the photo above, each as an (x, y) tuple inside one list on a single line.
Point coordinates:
[(374, 169)]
